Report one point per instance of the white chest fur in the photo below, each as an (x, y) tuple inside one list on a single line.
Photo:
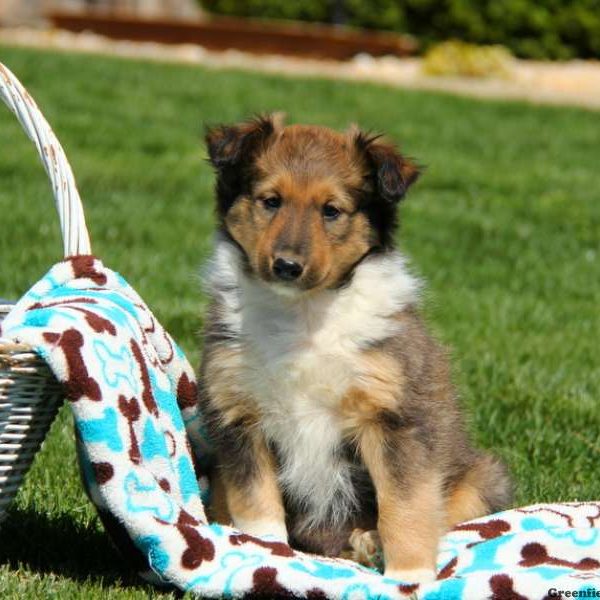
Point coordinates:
[(299, 370), (300, 356)]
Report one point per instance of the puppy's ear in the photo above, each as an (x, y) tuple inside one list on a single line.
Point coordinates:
[(230, 145), (232, 150), (391, 172)]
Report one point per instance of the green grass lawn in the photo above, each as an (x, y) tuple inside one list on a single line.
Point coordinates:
[(504, 226)]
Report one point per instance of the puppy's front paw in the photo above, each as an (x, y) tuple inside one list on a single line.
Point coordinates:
[(263, 528), (419, 576)]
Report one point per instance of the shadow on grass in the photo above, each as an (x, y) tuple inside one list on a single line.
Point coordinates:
[(62, 547)]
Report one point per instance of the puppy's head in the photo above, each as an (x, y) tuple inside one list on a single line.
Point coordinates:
[(305, 204)]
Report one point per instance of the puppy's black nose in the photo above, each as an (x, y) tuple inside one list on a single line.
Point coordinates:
[(286, 269)]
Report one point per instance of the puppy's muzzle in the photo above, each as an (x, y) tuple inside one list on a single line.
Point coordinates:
[(287, 269)]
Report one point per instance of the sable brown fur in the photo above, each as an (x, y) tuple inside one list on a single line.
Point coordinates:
[(326, 202)]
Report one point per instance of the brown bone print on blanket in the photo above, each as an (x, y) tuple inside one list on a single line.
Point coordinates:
[(316, 594), (103, 472), (535, 554), (568, 518), (502, 588), (96, 322), (408, 588), (265, 585), (187, 392), (276, 548), (487, 531), (448, 569), (169, 344), (82, 300), (130, 409), (198, 548), (152, 327), (84, 267), (592, 520), (154, 360), (147, 396), (171, 443), (78, 381)]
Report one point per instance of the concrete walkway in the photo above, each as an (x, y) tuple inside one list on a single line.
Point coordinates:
[(574, 83)]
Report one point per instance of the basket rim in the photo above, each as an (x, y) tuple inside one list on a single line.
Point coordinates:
[(10, 346), (75, 235)]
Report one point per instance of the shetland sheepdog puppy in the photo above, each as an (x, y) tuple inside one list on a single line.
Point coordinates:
[(331, 408)]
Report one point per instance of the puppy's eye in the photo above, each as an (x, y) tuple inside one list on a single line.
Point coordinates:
[(330, 212), (272, 202)]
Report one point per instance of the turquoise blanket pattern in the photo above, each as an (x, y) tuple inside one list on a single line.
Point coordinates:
[(142, 451)]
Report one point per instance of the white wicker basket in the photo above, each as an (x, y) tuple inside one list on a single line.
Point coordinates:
[(30, 396)]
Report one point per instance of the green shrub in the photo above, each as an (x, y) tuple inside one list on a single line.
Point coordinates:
[(468, 60), (297, 10), (557, 29)]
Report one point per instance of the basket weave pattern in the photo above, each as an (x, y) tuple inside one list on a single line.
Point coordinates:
[(29, 400), (30, 396)]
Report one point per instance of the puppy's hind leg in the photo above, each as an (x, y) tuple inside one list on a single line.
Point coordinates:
[(484, 489), (365, 548)]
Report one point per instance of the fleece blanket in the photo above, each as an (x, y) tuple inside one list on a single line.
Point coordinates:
[(142, 451)]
